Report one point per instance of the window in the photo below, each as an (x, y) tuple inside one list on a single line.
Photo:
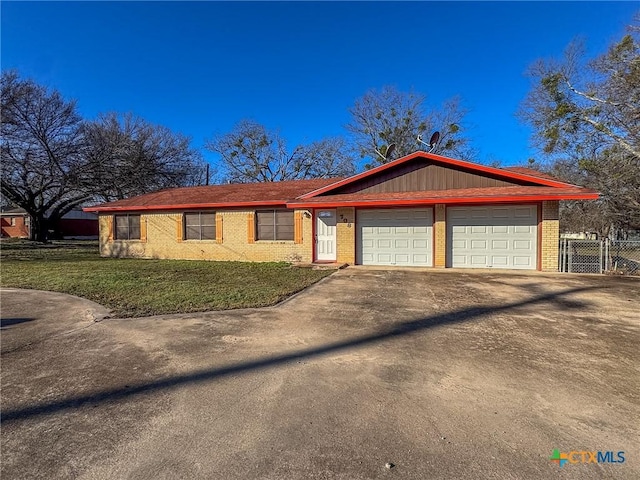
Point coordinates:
[(127, 227), (274, 224), (200, 226), (13, 221)]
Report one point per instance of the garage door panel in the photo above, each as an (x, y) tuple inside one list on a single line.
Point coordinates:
[(494, 236), (522, 212), (522, 245), (499, 244), (459, 244), (394, 237), (479, 260), (402, 258), (522, 261), (501, 261), (500, 213), (478, 244), (420, 244), (420, 259), (460, 260)]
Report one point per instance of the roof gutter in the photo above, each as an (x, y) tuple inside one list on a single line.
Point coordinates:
[(184, 206), (445, 200)]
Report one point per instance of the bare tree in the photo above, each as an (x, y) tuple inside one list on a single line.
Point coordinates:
[(52, 161), (251, 153), (388, 116), (586, 119), (128, 156), (42, 161)]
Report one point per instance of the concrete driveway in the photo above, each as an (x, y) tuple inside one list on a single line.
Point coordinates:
[(443, 374)]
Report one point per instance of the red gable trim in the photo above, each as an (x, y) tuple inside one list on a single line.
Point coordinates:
[(445, 200), (440, 159), (186, 206)]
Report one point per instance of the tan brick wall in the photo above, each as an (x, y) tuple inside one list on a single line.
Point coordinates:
[(346, 235), (440, 236), (550, 233), (163, 242)]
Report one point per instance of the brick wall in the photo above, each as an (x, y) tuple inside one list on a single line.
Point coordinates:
[(346, 235), (440, 236), (550, 233), (19, 228), (162, 240)]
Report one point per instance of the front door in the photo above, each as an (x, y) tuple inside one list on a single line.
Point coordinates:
[(326, 235)]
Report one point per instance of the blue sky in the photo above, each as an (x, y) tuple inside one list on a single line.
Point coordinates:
[(200, 67)]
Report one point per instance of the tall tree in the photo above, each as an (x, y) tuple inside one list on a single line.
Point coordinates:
[(586, 118), (251, 153), (388, 116), (129, 156), (41, 145), (52, 161)]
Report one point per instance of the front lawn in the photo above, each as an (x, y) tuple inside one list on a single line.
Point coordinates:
[(137, 287)]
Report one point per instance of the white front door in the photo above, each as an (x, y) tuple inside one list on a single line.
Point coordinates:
[(326, 235)]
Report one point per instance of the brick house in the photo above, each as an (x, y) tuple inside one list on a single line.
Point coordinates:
[(76, 224), (419, 210), (15, 223)]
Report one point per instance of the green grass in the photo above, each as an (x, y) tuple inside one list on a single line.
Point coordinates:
[(138, 287)]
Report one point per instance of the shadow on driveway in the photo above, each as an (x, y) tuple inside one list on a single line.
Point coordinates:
[(396, 331), (8, 322)]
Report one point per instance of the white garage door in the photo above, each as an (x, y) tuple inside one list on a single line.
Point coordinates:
[(394, 237), (495, 236)]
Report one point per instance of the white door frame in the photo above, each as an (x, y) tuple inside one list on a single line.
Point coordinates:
[(325, 235)]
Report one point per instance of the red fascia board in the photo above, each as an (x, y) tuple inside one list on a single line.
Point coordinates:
[(445, 200), (185, 206), (441, 159)]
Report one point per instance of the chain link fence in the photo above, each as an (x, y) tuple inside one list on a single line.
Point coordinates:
[(600, 256)]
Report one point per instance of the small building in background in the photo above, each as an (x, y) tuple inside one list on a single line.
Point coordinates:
[(76, 224), (15, 222)]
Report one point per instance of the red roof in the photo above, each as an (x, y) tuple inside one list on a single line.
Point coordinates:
[(463, 195), (317, 192), (216, 196), (532, 172)]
